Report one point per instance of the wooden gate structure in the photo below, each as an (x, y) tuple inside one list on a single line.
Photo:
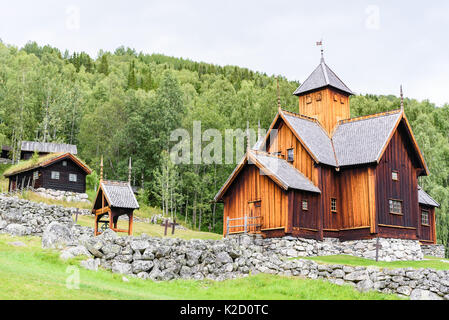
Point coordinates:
[(114, 199)]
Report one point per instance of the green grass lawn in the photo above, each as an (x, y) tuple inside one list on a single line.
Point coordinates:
[(33, 273), (154, 230), (429, 262)]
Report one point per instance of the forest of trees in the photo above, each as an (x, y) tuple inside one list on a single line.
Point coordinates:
[(125, 104)]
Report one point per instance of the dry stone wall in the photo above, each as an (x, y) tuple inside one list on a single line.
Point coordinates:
[(163, 259)]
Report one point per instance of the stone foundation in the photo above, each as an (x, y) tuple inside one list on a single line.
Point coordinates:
[(434, 250), (62, 195), (389, 249)]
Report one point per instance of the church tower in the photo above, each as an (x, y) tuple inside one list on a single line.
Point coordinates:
[(325, 97)]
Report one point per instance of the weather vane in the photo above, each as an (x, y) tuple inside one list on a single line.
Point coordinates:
[(320, 43)]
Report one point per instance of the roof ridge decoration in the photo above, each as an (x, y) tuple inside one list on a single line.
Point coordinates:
[(370, 116)]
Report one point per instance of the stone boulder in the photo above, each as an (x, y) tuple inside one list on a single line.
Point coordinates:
[(57, 236), (17, 230), (420, 294)]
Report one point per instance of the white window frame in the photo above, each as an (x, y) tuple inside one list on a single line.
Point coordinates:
[(73, 175), (55, 175)]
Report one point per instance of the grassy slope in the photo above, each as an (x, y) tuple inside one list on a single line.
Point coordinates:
[(430, 262), (154, 230), (33, 273)]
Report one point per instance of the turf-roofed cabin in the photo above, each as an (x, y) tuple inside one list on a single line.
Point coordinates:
[(319, 173), (58, 171)]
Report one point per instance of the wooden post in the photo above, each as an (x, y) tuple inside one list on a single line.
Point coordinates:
[(76, 215), (378, 246), (246, 223), (130, 225), (166, 227), (173, 226), (96, 226)]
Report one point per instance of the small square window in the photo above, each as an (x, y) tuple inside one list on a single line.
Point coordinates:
[(64, 163), (425, 217), (308, 99), (305, 205), (395, 176), (290, 155), (35, 175), (318, 96), (55, 175), (72, 177), (395, 206), (333, 205)]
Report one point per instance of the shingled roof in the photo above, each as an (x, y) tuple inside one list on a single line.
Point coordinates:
[(354, 141), (48, 147), (119, 194), (277, 169), (322, 77), (284, 172), (361, 141), (426, 199), (313, 136)]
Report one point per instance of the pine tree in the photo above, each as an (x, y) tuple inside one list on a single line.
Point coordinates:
[(132, 81), (104, 66)]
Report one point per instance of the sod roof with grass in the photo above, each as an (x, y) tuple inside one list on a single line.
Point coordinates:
[(44, 161)]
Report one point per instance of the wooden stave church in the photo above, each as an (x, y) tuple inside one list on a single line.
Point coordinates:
[(352, 161)]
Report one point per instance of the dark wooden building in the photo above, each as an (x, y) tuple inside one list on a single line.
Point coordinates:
[(27, 148), (114, 199), (58, 171), (319, 173)]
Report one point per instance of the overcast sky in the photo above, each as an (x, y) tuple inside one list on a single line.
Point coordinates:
[(373, 46)]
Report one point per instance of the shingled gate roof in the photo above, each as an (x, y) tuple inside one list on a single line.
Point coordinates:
[(426, 199), (119, 194), (48, 147), (322, 77)]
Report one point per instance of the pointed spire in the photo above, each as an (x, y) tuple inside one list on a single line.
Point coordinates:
[(279, 94), (402, 100), (101, 169), (129, 171)]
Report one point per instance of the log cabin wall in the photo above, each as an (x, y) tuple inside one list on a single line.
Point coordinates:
[(251, 186), (63, 182), (327, 105), (397, 158), (285, 140)]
